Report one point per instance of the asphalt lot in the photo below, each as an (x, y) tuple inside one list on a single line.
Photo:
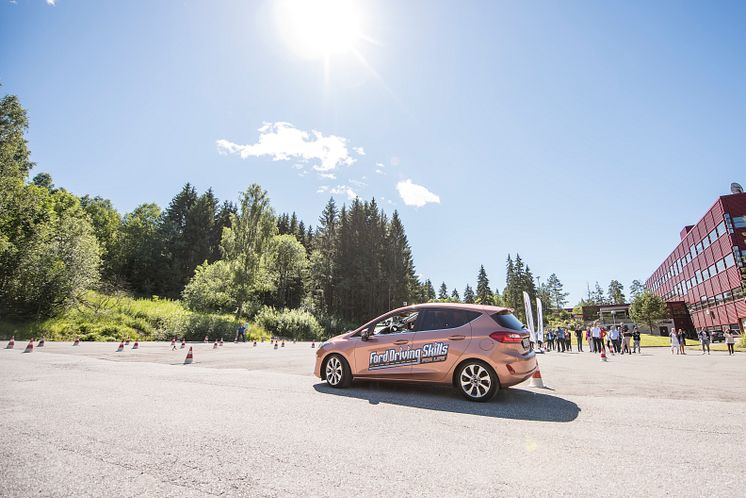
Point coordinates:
[(253, 421)]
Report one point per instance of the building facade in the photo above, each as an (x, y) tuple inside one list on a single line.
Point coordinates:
[(706, 272)]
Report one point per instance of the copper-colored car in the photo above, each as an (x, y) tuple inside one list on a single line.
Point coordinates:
[(478, 349)]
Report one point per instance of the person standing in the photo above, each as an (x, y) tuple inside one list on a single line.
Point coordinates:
[(560, 340), (568, 340), (550, 339), (704, 338), (627, 336), (579, 338), (589, 340), (615, 340), (241, 332), (674, 342), (682, 341), (636, 341), (596, 335), (730, 341), (539, 340)]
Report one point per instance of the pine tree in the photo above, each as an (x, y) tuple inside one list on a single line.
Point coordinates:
[(636, 289), (455, 296), (443, 291), (556, 294), (616, 292), (598, 297), (429, 290), (484, 293), (469, 296)]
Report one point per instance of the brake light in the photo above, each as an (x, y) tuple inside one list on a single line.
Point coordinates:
[(506, 337)]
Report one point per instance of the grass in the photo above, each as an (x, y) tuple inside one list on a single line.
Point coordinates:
[(109, 318)]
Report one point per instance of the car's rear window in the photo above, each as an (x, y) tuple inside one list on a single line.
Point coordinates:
[(508, 321)]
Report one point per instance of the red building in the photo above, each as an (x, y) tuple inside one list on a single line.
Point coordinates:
[(707, 270)]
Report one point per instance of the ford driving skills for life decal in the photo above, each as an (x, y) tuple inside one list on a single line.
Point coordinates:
[(429, 353)]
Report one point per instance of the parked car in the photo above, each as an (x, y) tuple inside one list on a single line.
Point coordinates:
[(717, 336), (478, 349)]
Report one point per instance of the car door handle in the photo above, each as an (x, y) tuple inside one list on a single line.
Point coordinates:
[(457, 338), (399, 342)]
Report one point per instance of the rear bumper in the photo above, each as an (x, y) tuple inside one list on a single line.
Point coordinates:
[(517, 370)]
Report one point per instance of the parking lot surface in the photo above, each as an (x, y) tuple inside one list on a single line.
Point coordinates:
[(253, 421)]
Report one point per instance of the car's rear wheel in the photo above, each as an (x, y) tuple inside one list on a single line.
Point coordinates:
[(337, 371), (477, 381)]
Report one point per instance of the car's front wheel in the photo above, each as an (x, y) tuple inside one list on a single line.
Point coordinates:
[(337, 371), (477, 381)]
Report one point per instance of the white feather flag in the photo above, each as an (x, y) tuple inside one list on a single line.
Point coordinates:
[(529, 315)]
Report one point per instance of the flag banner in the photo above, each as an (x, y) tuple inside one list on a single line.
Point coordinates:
[(539, 319), (529, 315)]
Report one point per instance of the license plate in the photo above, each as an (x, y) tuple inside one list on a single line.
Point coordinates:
[(525, 343)]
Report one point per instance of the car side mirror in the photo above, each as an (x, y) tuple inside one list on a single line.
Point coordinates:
[(365, 335)]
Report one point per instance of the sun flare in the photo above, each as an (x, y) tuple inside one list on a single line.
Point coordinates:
[(319, 28)]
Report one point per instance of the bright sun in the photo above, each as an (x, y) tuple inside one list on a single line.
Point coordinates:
[(319, 28)]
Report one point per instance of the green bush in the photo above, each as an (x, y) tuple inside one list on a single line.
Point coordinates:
[(291, 324)]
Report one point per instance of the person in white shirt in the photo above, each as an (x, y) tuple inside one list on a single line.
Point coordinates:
[(674, 343), (596, 335)]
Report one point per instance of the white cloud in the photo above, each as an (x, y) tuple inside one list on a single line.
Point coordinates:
[(380, 172), (358, 183), (52, 2), (338, 190), (415, 195), (380, 165), (283, 142), (359, 151), (330, 176)]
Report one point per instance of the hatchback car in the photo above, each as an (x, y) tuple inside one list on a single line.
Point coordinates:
[(478, 349)]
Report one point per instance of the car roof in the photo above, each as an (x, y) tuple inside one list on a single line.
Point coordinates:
[(483, 308)]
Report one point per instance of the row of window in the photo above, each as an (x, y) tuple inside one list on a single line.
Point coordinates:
[(682, 288), (726, 297), (678, 266), (739, 222)]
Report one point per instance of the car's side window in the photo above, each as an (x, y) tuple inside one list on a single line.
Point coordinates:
[(397, 323), (442, 319)]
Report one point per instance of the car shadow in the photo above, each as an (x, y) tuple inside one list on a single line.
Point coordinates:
[(513, 404)]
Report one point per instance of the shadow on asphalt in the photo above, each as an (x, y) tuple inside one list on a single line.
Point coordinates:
[(514, 404)]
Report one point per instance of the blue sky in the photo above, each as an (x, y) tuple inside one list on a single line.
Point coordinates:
[(582, 135)]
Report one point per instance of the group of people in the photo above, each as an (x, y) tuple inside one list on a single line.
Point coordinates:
[(618, 339)]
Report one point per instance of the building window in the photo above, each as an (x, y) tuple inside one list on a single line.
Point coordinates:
[(729, 260), (720, 229), (720, 266), (739, 221)]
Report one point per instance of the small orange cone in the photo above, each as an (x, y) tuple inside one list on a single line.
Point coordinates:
[(275, 345), (221, 341), (173, 342), (29, 346), (183, 343), (121, 347), (206, 340), (283, 343), (313, 344), (603, 355), (12, 343), (41, 343), (189, 357), (77, 341), (536, 380), (215, 346), (254, 343), (136, 345)]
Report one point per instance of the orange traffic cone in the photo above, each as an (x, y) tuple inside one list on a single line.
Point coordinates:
[(136, 345), (121, 347), (29, 346), (189, 357), (536, 380), (206, 340), (221, 341), (283, 344), (215, 346), (254, 343), (183, 343), (173, 342), (77, 341), (275, 345), (12, 342), (313, 344), (603, 355), (41, 343)]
